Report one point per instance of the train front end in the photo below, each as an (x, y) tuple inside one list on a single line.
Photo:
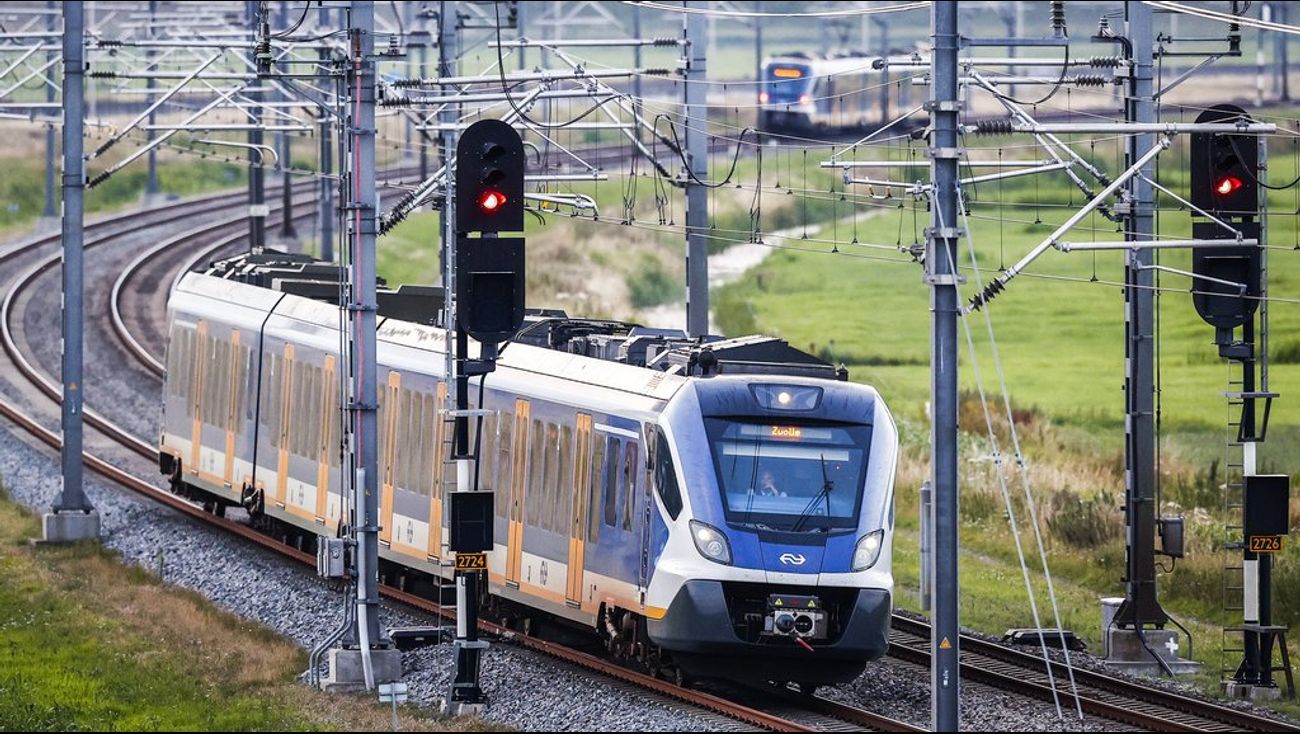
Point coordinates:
[(778, 566)]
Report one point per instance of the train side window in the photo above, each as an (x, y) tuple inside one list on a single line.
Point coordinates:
[(629, 483), (533, 495), (487, 452), (505, 429), (428, 453), (611, 474), (242, 405), (595, 477), (552, 474), (279, 396), (563, 507), (666, 478), (310, 437)]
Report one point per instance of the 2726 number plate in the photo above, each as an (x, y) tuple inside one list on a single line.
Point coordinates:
[(1265, 544)]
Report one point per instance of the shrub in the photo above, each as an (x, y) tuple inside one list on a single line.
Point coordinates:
[(734, 315), (651, 284), (1084, 522)]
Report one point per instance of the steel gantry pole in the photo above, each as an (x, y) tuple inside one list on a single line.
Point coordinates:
[(73, 517), (49, 212), (327, 184), (1141, 607), (283, 150), (257, 209), (372, 660), (697, 169), (940, 272), (151, 184)]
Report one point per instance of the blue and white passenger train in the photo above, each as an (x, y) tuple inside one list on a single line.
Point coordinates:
[(722, 507)]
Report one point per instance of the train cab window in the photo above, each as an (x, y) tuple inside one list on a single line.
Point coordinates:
[(666, 478), (563, 507), (533, 497), (611, 472), (596, 481), (504, 475), (790, 477), (629, 483)]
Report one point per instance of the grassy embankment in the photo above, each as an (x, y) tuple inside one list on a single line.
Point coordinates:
[(91, 644), (1059, 332)]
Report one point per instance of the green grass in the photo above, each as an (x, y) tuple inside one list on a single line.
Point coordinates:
[(87, 643)]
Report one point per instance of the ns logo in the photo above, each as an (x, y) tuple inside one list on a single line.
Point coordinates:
[(793, 559)]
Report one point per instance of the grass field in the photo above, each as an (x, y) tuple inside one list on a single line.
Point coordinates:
[(1059, 332), (90, 644)]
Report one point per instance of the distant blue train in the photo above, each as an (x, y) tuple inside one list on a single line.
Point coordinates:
[(720, 508)]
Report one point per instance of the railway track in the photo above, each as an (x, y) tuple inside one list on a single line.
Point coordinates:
[(819, 716), (1108, 697)]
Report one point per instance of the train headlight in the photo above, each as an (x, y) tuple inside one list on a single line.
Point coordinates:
[(711, 543), (867, 551)]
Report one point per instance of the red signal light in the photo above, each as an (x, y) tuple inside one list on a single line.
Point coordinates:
[(1226, 185), (490, 202)]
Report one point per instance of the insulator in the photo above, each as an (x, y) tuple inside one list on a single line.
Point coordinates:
[(1091, 80), (1105, 62), (994, 127), (666, 41), (1058, 18), (978, 300), (658, 72), (102, 75), (405, 83)]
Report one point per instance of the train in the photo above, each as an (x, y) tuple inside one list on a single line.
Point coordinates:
[(714, 507), (803, 93)]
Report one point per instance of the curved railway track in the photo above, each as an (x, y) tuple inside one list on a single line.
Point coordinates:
[(817, 715)]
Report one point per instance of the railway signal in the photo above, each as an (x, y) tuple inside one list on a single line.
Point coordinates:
[(1226, 288), (489, 306), (489, 201)]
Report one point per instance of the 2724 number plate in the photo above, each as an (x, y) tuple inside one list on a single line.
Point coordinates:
[(471, 561)]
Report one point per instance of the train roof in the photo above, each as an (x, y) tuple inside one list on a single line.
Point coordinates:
[(413, 318)]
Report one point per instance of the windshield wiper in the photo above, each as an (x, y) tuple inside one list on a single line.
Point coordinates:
[(825, 491)]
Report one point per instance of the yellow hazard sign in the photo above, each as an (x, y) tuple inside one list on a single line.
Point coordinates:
[(945, 644)]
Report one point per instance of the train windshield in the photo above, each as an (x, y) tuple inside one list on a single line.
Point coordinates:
[(786, 83), (790, 477)]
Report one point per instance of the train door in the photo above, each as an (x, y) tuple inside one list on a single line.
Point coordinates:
[(325, 451), (232, 407), (286, 414), (389, 407), (440, 457), (196, 430), (581, 508), (519, 480)]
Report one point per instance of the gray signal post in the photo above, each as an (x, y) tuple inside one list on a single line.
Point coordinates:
[(941, 275), (73, 517), (366, 660), (697, 170)]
